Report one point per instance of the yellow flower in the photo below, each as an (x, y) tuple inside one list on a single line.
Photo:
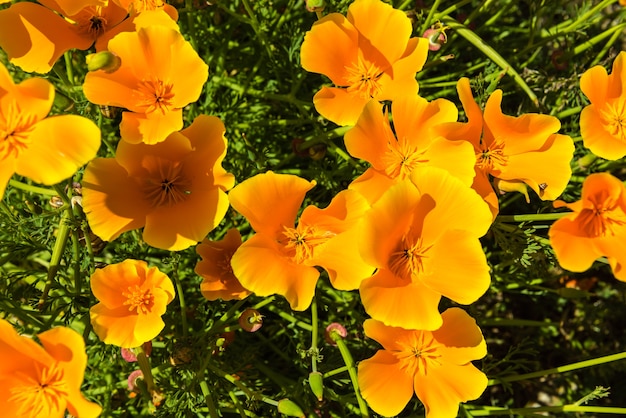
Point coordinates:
[(436, 365), (43, 381), (44, 149), (603, 122), (596, 228), (153, 83), (174, 189), (368, 54), (132, 299)]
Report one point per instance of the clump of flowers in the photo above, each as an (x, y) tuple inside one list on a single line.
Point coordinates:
[(603, 122), (43, 380), (365, 58), (595, 228), (153, 83), (280, 258), (435, 365), (132, 298), (524, 149), (174, 189), (44, 149), (219, 281)]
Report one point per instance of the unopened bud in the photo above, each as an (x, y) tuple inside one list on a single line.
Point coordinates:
[(251, 320), (289, 408), (315, 5), (316, 382), (436, 36), (103, 60)]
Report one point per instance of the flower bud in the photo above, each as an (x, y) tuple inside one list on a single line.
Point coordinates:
[(251, 320), (132, 380), (103, 60), (289, 408), (316, 382), (504, 186), (436, 37), (335, 328), (315, 5)]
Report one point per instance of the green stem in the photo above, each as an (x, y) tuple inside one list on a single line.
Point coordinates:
[(32, 189), (536, 217), (429, 18), (144, 365), (534, 411), (314, 325), (204, 387), (347, 359), (68, 67), (561, 369), (615, 30), (290, 318)]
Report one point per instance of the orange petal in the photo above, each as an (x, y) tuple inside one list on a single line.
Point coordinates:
[(594, 83), (115, 327), (108, 283), (184, 224), (338, 105), (138, 159), (330, 47), (400, 303), (60, 145), (264, 270), (473, 129), (270, 201), (596, 137), (400, 78), (548, 166), (112, 201), (34, 37), (388, 33), (35, 97), (21, 350), (444, 387), (372, 184), (414, 117), (459, 267), (71, 7), (138, 127), (391, 338), (462, 339), (383, 385), (369, 137), (573, 250)]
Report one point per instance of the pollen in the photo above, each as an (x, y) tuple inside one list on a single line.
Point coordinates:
[(139, 300), (167, 184), (419, 354), (15, 127), (155, 95), (300, 243), (492, 158), (614, 115), (401, 158), (408, 261), (40, 394), (363, 77)]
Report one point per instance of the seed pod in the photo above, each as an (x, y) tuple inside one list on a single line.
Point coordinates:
[(289, 408), (316, 382)]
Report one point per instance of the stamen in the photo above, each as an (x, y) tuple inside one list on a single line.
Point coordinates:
[(302, 241), (408, 261), (167, 184), (138, 300), (43, 394), (15, 127), (363, 78), (155, 95), (492, 158)]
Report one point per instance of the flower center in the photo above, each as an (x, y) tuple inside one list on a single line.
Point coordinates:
[(155, 95), (15, 128), (363, 78), (408, 261), (603, 218), (167, 184), (301, 242), (91, 22), (614, 116), (42, 394), (401, 158), (139, 300), (418, 354), (492, 158)]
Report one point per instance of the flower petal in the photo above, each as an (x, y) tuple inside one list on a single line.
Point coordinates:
[(596, 136), (338, 105), (60, 145), (462, 339), (383, 385), (150, 129)]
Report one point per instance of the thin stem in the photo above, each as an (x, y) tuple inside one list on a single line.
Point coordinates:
[(204, 387), (531, 217), (68, 68), (347, 359), (32, 189), (429, 18), (534, 411), (314, 350)]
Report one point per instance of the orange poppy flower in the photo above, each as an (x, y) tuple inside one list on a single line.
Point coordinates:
[(436, 365), (513, 149), (153, 83), (43, 380), (596, 228), (281, 257), (219, 281), (34, 36), (46, 150), (368, 54), (132, 298), (394, 153), (174, 189), (603, 122), (422, 236)]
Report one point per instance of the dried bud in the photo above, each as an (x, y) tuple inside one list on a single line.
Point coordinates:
[(436, 36), (251, 320), (103, 60), (317, 152), (132, 380), (335, 328), (289, 408)]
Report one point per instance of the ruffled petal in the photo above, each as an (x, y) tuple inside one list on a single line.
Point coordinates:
[(150, 129), (473, 129), (115, 327), (596, 137), (112, 201), (34, 37), (400, 303), (270, 201), (594, 83), (383, 385), (71, 7), (339, 105), (107, 284), (462, 339), (400, 78), (368, 139), (414, 117), (264, 270), (330, 47), (35, 97), (372, 184), (574, 251), (60, 145)]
